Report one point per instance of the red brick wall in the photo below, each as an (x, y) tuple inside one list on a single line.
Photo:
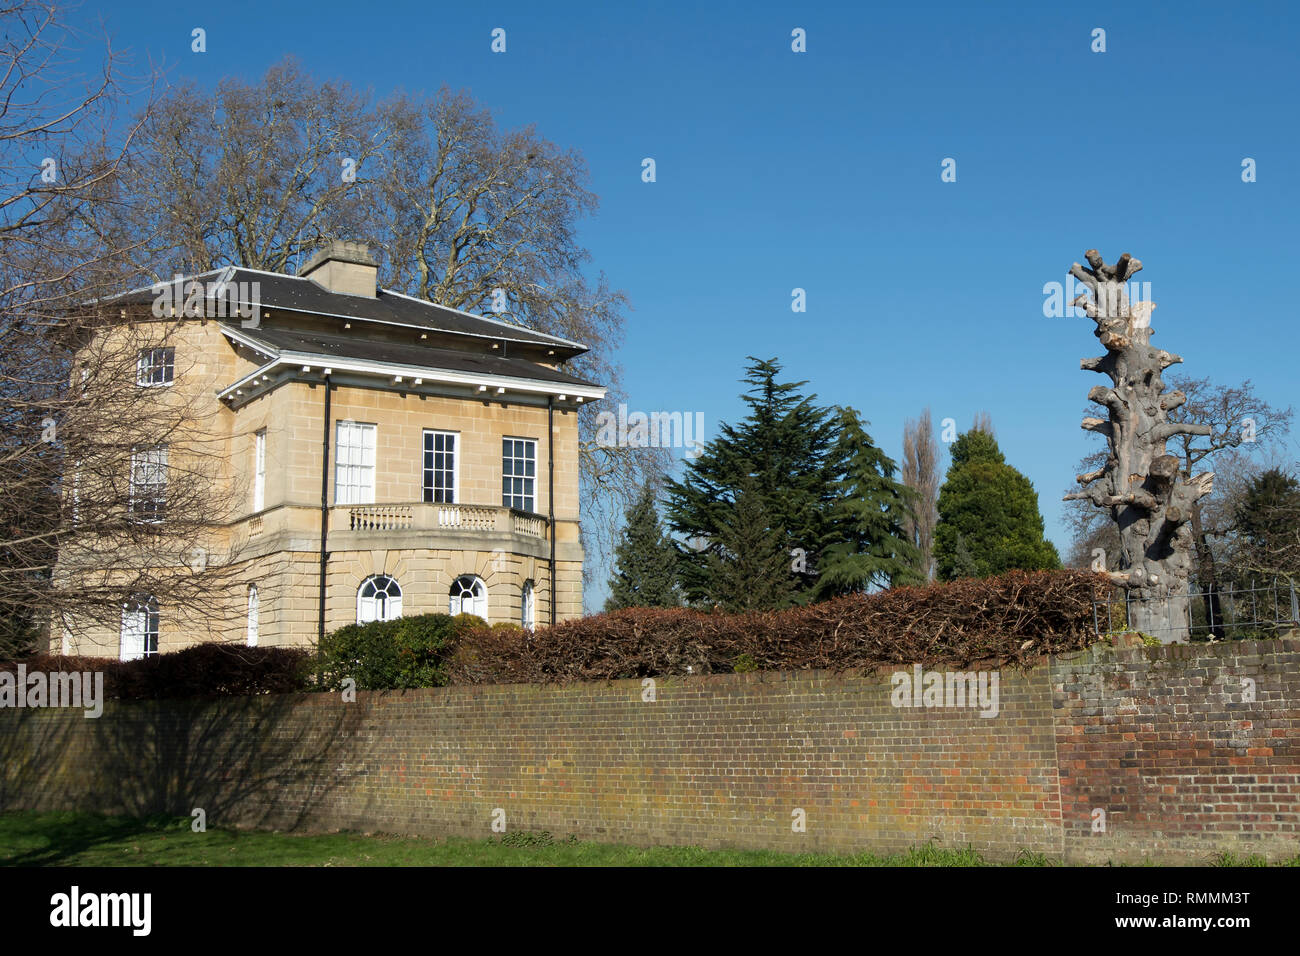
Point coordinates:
[(1153, 736), (1163, 741)]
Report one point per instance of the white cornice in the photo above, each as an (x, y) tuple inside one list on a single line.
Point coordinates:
[(492, 385)]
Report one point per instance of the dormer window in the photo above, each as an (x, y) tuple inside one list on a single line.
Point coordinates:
[(155, 367)]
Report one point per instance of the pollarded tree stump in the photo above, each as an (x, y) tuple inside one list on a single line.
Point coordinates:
[(1140, 485)]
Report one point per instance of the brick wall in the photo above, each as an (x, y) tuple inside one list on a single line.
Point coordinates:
[(1169, 743), (1159, 738)]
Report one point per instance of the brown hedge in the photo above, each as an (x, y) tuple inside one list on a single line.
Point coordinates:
[(1008, 620), (206, 670)]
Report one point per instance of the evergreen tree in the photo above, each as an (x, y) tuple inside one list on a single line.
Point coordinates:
[(1268, 526), (748, 566), (989, 520), (785, 445), (871, 513), (645, 561)]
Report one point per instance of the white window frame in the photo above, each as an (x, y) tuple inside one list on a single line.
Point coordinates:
[(259, 470), (150, 460), (528, 606), (369, 606), (426, 491), (140, 626), (350, 476), (461, 600), (508, 498), (254, 612), (162, 360)]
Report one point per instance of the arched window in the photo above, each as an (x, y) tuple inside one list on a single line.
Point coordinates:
[(468, 596), (528, 606), (139, 627), (379, 599), (252, 615)]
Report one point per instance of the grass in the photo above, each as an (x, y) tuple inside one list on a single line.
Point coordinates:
[(86, 839), (90, 839)]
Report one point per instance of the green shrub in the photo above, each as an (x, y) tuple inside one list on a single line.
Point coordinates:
[(464, 624), (744, 664), (386, 655)]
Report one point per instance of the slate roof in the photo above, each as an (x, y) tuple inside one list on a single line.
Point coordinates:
[(330, 347), (305, 295)]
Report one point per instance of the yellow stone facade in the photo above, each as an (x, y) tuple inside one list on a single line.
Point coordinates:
[(424, 546)]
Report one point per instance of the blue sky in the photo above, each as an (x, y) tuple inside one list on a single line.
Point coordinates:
[(821, 171)]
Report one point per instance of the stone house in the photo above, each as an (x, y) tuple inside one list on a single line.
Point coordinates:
[(385, 456)]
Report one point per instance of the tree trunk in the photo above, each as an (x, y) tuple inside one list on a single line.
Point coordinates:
[(1141, 485)]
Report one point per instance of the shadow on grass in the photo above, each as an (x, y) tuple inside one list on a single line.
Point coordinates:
[(64, 836), (268, 762)]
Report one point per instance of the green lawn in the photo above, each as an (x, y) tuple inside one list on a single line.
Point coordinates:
[(86, 839)]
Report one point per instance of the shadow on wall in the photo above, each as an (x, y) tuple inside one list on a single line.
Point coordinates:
[(34, 750), (244, 762)]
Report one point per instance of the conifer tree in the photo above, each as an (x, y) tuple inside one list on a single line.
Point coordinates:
[(989, 520), (645, 561), (1268, 527), (785, 445), (749, 568), (870, 512)]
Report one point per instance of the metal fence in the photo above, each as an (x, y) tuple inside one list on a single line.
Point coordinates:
[(1227, 612)]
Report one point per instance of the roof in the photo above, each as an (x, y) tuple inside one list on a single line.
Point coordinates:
[(295, 294), (331, 348)]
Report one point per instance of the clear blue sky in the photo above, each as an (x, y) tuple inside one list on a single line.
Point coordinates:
[(821, 170)]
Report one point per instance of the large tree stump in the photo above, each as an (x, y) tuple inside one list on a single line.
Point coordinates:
[(1140, 485)]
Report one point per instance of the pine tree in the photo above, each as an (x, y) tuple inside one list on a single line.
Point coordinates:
[(749, 568), (645, 561), (870, 513), (785, 445), (989, 520)]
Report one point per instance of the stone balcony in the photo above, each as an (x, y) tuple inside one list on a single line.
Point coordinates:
[(435, 517), (400, 526)]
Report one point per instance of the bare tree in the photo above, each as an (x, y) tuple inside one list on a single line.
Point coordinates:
[(484, 220), (461, 213), (1237, 419), (251, 175), (84, 522), (983, 423), (1245, 431), (921, 474), (1140, 484), (145, 495)]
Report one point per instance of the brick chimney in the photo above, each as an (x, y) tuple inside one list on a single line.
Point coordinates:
[(346, 267)]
